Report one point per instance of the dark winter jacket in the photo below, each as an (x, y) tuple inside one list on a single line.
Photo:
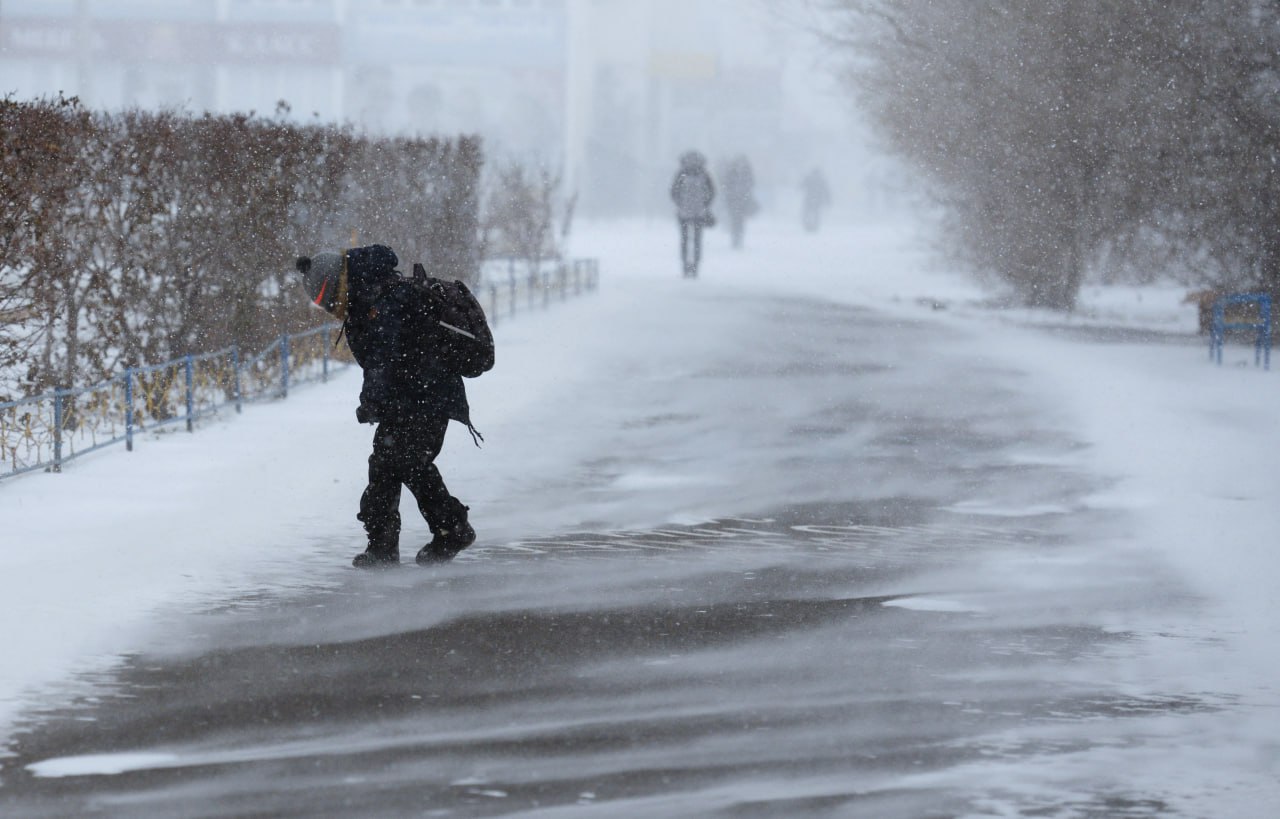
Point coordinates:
[(398, 384), (693, 192), (739, 188)]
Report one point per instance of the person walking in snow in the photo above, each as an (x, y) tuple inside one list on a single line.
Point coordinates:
[(816, 196), (693, 192), (410, 403), (739, 197)]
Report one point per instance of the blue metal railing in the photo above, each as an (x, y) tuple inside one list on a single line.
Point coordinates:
[(46, 431), (501, 284)]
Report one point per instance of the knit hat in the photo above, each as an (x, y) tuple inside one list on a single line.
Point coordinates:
[(322, 276), (693, 159)]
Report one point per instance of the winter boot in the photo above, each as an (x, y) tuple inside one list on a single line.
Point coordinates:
[(383, 550), (376, 560), (450, 538)]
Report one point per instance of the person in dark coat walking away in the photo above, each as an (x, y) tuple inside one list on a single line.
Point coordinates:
[(816, 196), (739, 196), (693, 192), (410, 402)]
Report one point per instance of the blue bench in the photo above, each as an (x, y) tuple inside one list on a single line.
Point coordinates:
[(1261, 328)]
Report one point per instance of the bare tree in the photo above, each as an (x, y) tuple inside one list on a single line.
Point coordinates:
[(519, 215), (1049, 128), (1227, 157)]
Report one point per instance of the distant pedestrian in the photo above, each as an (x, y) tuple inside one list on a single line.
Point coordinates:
[(410, 391), (693, 192), (816, 196), (739, 197)]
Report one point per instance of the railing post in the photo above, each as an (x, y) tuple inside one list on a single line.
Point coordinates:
[(324, 358), (1216, 332), (189, 366), (1264, 341), (235, 365), (493, 304), (284, 366), (511, 276), (128, 409), (57, 430)]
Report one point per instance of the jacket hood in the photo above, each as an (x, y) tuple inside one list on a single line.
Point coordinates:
[(692, 159)]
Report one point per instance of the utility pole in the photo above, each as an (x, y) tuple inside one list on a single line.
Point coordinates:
[(578, 82), (82, 50)]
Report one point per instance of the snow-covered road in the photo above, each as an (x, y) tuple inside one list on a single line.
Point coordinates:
[(786, 539)]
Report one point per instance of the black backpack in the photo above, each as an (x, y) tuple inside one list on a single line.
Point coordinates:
[(453, 330)]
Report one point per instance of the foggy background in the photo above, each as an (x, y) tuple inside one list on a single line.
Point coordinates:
[(1057, 142), (602, 94), (822, 530)]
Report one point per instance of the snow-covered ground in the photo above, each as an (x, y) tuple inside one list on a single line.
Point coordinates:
[(94, 558)]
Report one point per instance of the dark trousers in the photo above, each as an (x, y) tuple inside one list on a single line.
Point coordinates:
[(737, 226), (690, 244), (404, 454)]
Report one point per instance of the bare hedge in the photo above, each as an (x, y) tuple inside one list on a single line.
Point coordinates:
[(136, 237)]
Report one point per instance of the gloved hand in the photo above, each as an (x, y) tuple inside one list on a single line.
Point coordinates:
[(374, 396)]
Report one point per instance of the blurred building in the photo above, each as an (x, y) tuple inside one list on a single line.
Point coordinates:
[(490, 66), (194, 54), (606, 92), (658, 78)]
